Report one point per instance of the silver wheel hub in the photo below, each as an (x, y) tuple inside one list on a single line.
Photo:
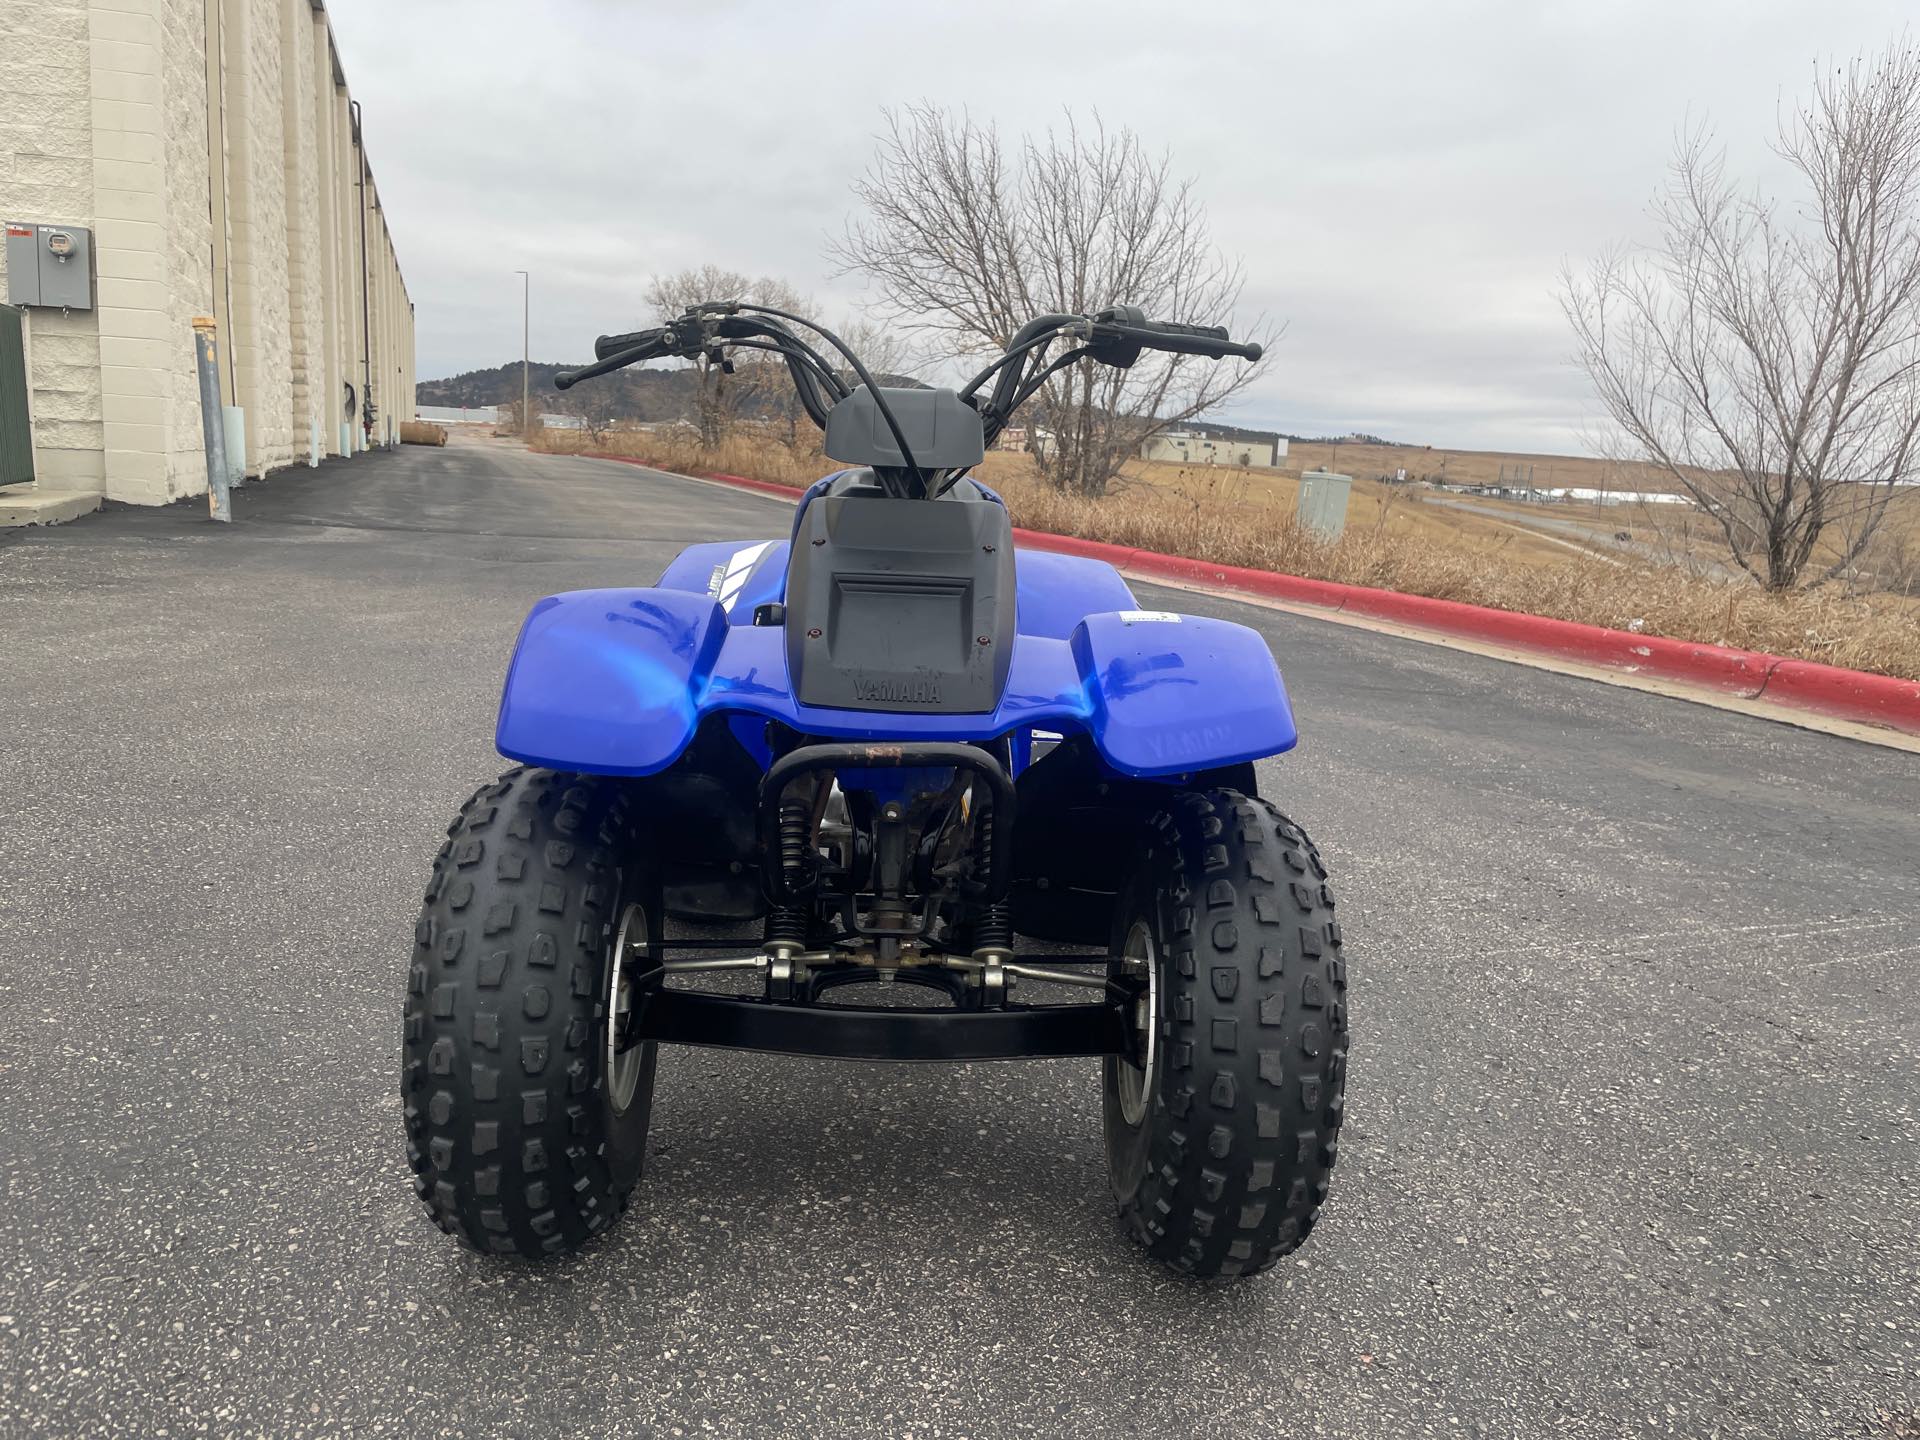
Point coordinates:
[(620, 1061), (1135, 1083)]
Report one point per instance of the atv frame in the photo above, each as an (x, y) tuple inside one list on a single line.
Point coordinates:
[(898, 751)]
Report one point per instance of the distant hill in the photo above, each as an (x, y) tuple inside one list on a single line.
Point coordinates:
[(635, 394), (644, 395), (1356, 437)]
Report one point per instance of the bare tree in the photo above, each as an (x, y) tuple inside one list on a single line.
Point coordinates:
[(888, 355), (759, 383), (1767, 359), (596, 408), (886, 351), (967, 240)]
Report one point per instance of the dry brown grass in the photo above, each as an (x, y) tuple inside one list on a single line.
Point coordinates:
[(1401, 510), (1229, 525)]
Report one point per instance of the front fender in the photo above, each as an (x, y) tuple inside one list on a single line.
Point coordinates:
[(609, 680), (1175, 693)]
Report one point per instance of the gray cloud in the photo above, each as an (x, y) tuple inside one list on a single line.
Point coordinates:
[(1402, 178)]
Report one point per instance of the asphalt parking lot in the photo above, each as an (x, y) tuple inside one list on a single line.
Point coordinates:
[(1633, 1139)]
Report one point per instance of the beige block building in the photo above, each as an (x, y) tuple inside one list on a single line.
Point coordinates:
[(1184, 447), (213, 150)]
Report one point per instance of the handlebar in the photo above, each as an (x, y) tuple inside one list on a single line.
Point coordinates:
[(1114, 336)]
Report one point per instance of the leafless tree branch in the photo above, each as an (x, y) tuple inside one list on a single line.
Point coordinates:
[(965, 238), (1767, 360)]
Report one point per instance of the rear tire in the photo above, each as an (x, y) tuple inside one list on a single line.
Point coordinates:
[(1220, 1147), (525, 1131)]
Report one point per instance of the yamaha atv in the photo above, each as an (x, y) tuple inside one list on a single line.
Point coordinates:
[(903, 750)]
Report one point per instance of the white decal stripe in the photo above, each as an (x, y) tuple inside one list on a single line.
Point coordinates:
[(738, 569)]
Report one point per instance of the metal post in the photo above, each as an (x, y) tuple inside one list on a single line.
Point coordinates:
[(213, 424), (526, 382)]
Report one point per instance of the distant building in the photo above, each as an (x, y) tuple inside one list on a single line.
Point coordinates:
[(1194, 447), (1014, 437), (1584, 494), (458, 414)]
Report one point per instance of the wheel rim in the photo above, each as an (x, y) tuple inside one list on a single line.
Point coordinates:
[(621, 1061), (1134, 1083)]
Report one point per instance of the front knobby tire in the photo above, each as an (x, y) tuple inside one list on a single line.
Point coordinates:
[(1219, 1148), (525, 1125)]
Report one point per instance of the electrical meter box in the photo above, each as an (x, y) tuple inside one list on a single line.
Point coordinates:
[(49, 265)]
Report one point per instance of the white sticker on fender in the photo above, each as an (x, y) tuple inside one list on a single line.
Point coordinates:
[(734, 578), (1143, 617)]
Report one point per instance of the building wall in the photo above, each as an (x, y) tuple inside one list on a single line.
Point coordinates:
[(1182, 448), (303, 220), (47, 113), (150, 225), (209, 146), (257, 312), (189, 232)]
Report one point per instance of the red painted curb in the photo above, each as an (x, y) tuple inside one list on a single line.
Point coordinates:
[(1805, 684), (1855, 695)]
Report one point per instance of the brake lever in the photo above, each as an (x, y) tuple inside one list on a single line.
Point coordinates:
[(567, 379), (675, 342)]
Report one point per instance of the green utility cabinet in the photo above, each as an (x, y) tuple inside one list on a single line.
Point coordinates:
[(16, 435)]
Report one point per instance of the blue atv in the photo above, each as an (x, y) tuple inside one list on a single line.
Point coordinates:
[(903, 751)]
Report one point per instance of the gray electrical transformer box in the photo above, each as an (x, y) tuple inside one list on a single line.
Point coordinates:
[(49, 265), (1323, 502)]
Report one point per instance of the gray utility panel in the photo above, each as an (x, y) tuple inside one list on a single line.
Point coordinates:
[(1323, 502), (49, 265)]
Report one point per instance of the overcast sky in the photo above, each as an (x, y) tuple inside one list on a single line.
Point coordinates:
[(1402, 178)]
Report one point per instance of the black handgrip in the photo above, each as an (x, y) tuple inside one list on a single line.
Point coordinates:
[(1175, 339), (657, 343), (613, 344), (1203, 332)]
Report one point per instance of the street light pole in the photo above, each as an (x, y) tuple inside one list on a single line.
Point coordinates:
[(526, 382)]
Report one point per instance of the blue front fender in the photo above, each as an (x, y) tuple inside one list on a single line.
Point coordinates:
[(608, 681), (1174, 693), (617, 681)]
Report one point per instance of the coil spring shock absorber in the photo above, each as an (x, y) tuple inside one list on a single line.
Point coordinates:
[(787, 921), (993, 931)]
